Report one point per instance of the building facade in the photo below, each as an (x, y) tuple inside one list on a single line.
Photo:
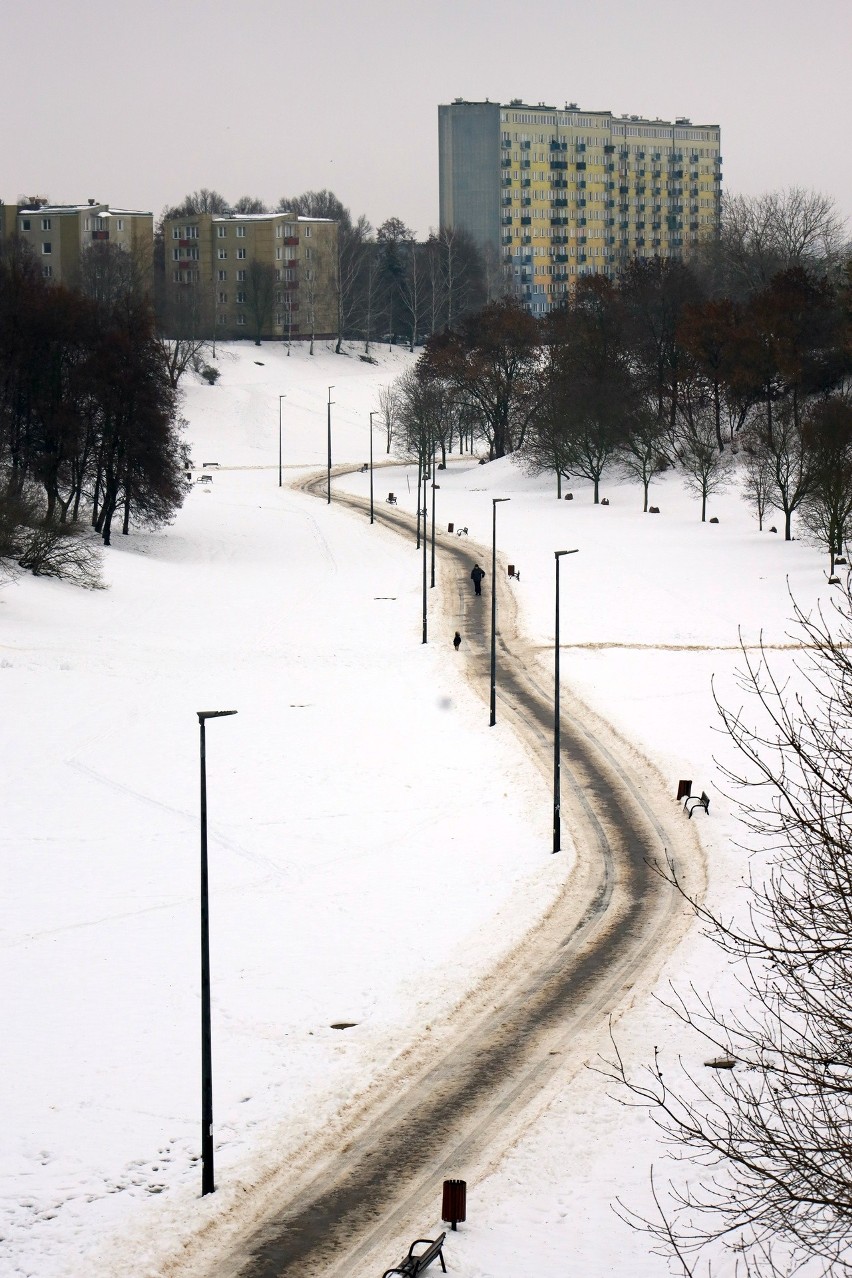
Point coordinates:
[(270, 275), (59, 234), (551, 194)]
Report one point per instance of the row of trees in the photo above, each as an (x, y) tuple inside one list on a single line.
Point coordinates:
[(658, 369), (89, 431)]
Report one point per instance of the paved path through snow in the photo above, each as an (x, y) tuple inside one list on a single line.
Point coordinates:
[(455, 1100)]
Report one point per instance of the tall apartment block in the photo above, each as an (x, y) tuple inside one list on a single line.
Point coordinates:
[(551, 194), (212, 260), (59, 234)]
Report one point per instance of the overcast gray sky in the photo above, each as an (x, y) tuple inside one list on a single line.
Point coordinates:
[(139, 103)]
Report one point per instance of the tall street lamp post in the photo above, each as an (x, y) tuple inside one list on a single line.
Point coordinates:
[(435, 488), (280, 397), (372, 415), (557, 744), (494, 501), (330, 401), (208, 1183), (425, 542)]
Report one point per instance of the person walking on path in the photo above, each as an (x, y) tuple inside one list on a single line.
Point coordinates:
[(476, 577), (457, 641)]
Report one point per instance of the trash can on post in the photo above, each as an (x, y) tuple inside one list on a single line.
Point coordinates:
[(450, 528), (454, 1205)]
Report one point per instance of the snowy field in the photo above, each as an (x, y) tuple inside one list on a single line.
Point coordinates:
[(358, 779)]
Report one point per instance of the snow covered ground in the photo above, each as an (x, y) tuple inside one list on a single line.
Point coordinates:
[(358, 779)]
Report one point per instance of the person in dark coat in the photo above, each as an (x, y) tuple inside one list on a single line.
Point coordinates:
[(476, 577), (457, 641)]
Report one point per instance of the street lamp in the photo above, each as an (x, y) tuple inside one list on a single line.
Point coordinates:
[(330, 389), (207, 1179), (280, 397), (372, 415), (425, 540), (557, 779), (494, 501), (435, 488)]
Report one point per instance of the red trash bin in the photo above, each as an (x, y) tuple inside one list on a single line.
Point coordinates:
[(454, 1204)]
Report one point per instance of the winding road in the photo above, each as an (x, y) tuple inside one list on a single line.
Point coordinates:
[(455, 1100)]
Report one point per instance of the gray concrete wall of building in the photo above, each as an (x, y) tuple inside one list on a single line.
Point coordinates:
[(469, 170)]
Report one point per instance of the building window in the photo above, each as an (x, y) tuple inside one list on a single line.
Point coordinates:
[(175, 232), (307, 232), (241, 319), (222, 276), (221, 319), (222, 299), (45, 223), (121, 223), (176, 255), (241, 253), (240, 232), (47, 272), (307, 254), (46, 247), (279, 253), (221, 254), (191, 233), (279, 231), (240, 299), (25, 224), (241, 276), (221, 232)]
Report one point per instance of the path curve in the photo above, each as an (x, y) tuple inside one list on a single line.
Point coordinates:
[(456, 1099)]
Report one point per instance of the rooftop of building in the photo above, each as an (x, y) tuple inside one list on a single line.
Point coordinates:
[(39, 204), (518, 104)]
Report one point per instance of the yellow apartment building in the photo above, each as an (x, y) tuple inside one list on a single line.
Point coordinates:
[(551, 194), (270, 275), (59, 234)]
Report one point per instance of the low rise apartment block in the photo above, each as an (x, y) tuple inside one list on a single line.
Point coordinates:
[(551, 194), (59, 234), (259, 275)]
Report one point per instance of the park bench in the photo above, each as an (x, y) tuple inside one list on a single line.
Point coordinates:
[(391, 499), (205, 479), (702, 802), (415, 1264)]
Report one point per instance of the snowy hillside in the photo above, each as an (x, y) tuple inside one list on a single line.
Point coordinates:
[(358, 780)]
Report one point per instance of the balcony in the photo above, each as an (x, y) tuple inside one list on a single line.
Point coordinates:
[(506, 162), (525, 164), (608, 149), (506, 221), (104, 235), (526, 181), (580, 164), (506, 201), (291, 239), (526, 202), (559, 164), (290, 286), (559, 204)]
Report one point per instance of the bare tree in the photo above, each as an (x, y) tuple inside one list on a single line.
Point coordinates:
[(248, 204), (260, 296), (757, 475), (767, 1140), (389, 408), (778, 231), (705, 470)]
